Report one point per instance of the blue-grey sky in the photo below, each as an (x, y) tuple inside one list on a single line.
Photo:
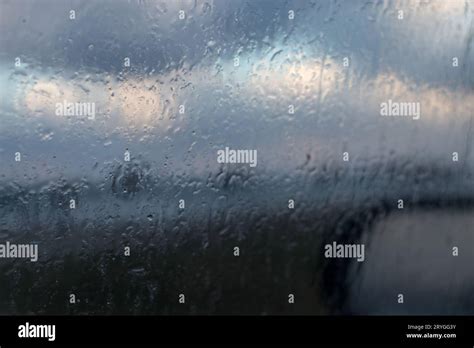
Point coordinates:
[(190, 62)]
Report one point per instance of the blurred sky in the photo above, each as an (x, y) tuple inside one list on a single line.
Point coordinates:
[(190, 61)]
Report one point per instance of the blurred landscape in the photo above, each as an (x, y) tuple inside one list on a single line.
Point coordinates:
[(190, 60)]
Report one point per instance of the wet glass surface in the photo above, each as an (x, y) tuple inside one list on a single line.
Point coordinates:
[(170, 83)]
